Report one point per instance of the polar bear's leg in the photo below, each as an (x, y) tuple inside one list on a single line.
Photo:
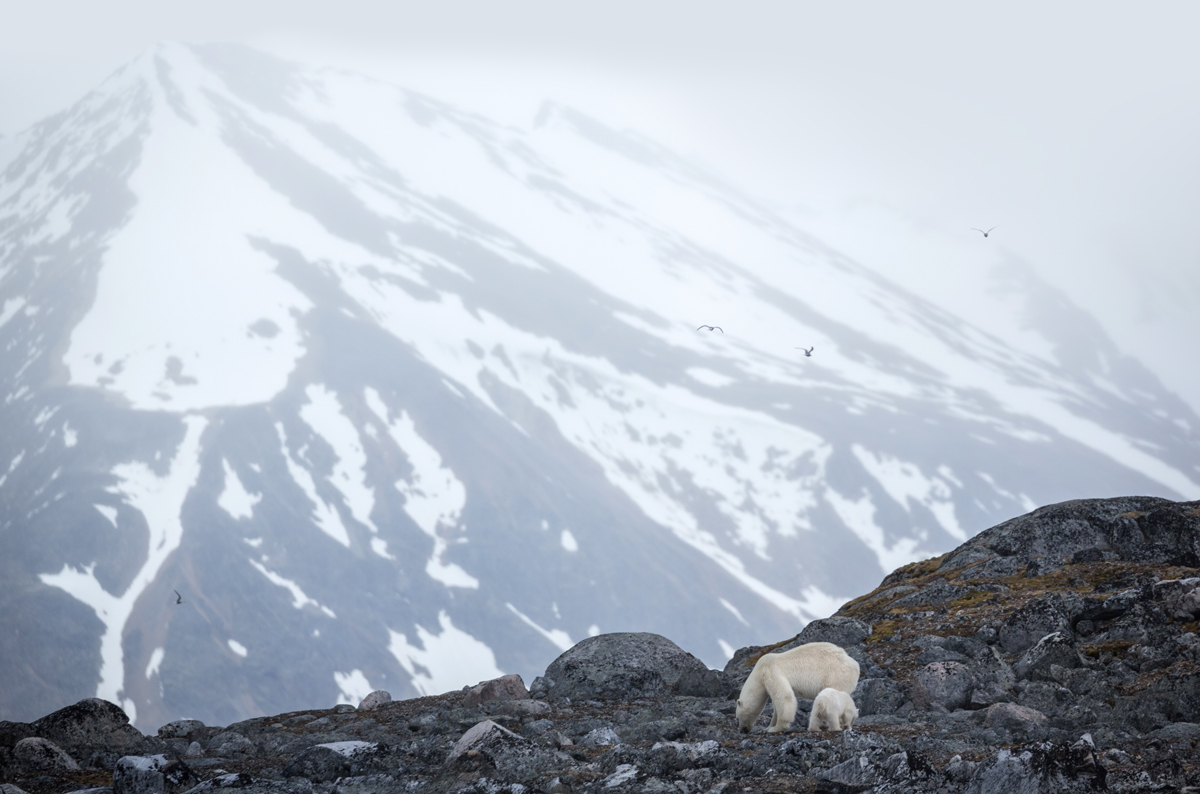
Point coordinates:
[(783, 699)]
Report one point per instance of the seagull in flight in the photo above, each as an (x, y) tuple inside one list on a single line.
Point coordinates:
[(981, 231), (712, 328), (807, 350), (178, 598)]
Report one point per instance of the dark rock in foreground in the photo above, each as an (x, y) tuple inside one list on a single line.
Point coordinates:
[(1057, 652)]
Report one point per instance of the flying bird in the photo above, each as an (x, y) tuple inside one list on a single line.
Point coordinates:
[(712, 328), (178, 598), (808, 350), (981, 231)]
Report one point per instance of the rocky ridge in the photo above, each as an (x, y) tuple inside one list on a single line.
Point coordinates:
[(1056, 652)]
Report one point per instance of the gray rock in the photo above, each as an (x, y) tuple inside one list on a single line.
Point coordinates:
[(1012, 717), (91, 721), (938, 593), (507, 687), (879, 696), (840, 630), (1035, 620), (374, 700), (1053, 649), (601, 737), (521, 708), (43, 755), (319, 764), (626, 666), (9, 788), (194, 750), (230, 744), (179, 729), (1007, 774), (482, 735), (947, 685), (140, 774)]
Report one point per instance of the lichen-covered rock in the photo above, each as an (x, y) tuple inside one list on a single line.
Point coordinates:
[(946, 685), (628, 665), (42, 755), (1055, 649), (91, 721), (180, 729)]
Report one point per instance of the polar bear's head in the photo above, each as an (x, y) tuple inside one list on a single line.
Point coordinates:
[(744, 717)]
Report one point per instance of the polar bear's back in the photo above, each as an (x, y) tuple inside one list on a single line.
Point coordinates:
[(811, 667)]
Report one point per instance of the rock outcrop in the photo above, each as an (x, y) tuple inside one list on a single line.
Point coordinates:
[(1057, 652)]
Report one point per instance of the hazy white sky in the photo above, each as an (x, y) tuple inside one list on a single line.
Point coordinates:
[(1072, 125)]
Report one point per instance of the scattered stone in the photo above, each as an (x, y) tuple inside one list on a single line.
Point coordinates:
[(1021, 665), (600, 737), (152, 775), (374, 700), (179, 729), (506, 687)]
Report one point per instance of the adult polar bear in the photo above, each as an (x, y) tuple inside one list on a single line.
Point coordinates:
[(804, 671)]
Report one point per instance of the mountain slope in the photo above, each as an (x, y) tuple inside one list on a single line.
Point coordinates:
[(398, 397)]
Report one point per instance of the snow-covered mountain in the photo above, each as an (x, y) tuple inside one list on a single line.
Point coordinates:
[(396, 397)]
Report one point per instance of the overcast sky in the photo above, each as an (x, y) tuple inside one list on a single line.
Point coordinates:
[(1074, 126)]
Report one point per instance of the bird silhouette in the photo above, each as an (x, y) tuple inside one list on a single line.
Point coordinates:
[(712, 328), (807, 350), (178, 598), (981, 231)]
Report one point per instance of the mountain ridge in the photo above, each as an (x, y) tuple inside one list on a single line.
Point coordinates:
[(426, 382)]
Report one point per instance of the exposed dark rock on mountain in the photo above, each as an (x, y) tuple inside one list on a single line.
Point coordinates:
[(959, 694)]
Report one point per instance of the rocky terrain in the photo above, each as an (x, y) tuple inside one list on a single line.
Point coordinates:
[(1055, 652)]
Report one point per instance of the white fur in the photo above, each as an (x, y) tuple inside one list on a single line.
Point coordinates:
[(803, 672), (833, 710)]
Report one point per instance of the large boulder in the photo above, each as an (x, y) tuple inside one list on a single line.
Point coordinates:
[(1132, 529), (625, 666), (90, 722)]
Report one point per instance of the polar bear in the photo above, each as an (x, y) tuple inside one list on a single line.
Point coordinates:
[(803, 671), (832, 710)]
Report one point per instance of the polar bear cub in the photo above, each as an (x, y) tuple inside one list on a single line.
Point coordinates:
[(802, 671), (832, 710)]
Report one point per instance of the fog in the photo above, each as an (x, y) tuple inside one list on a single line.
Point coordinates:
[(1072, 127)]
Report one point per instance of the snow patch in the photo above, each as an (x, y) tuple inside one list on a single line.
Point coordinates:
[(234, 499), (10, 309), (858, 515), (238, 648), (327, 518), (160, 500), (568, 541), (441, 662), (433, 497), (323, 413), (737, 614), (353, 687), (156, 658), (708, 377), (559, 638), (70, 437), (726, 649), (108, 512), (299, 599), (904, 481)]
